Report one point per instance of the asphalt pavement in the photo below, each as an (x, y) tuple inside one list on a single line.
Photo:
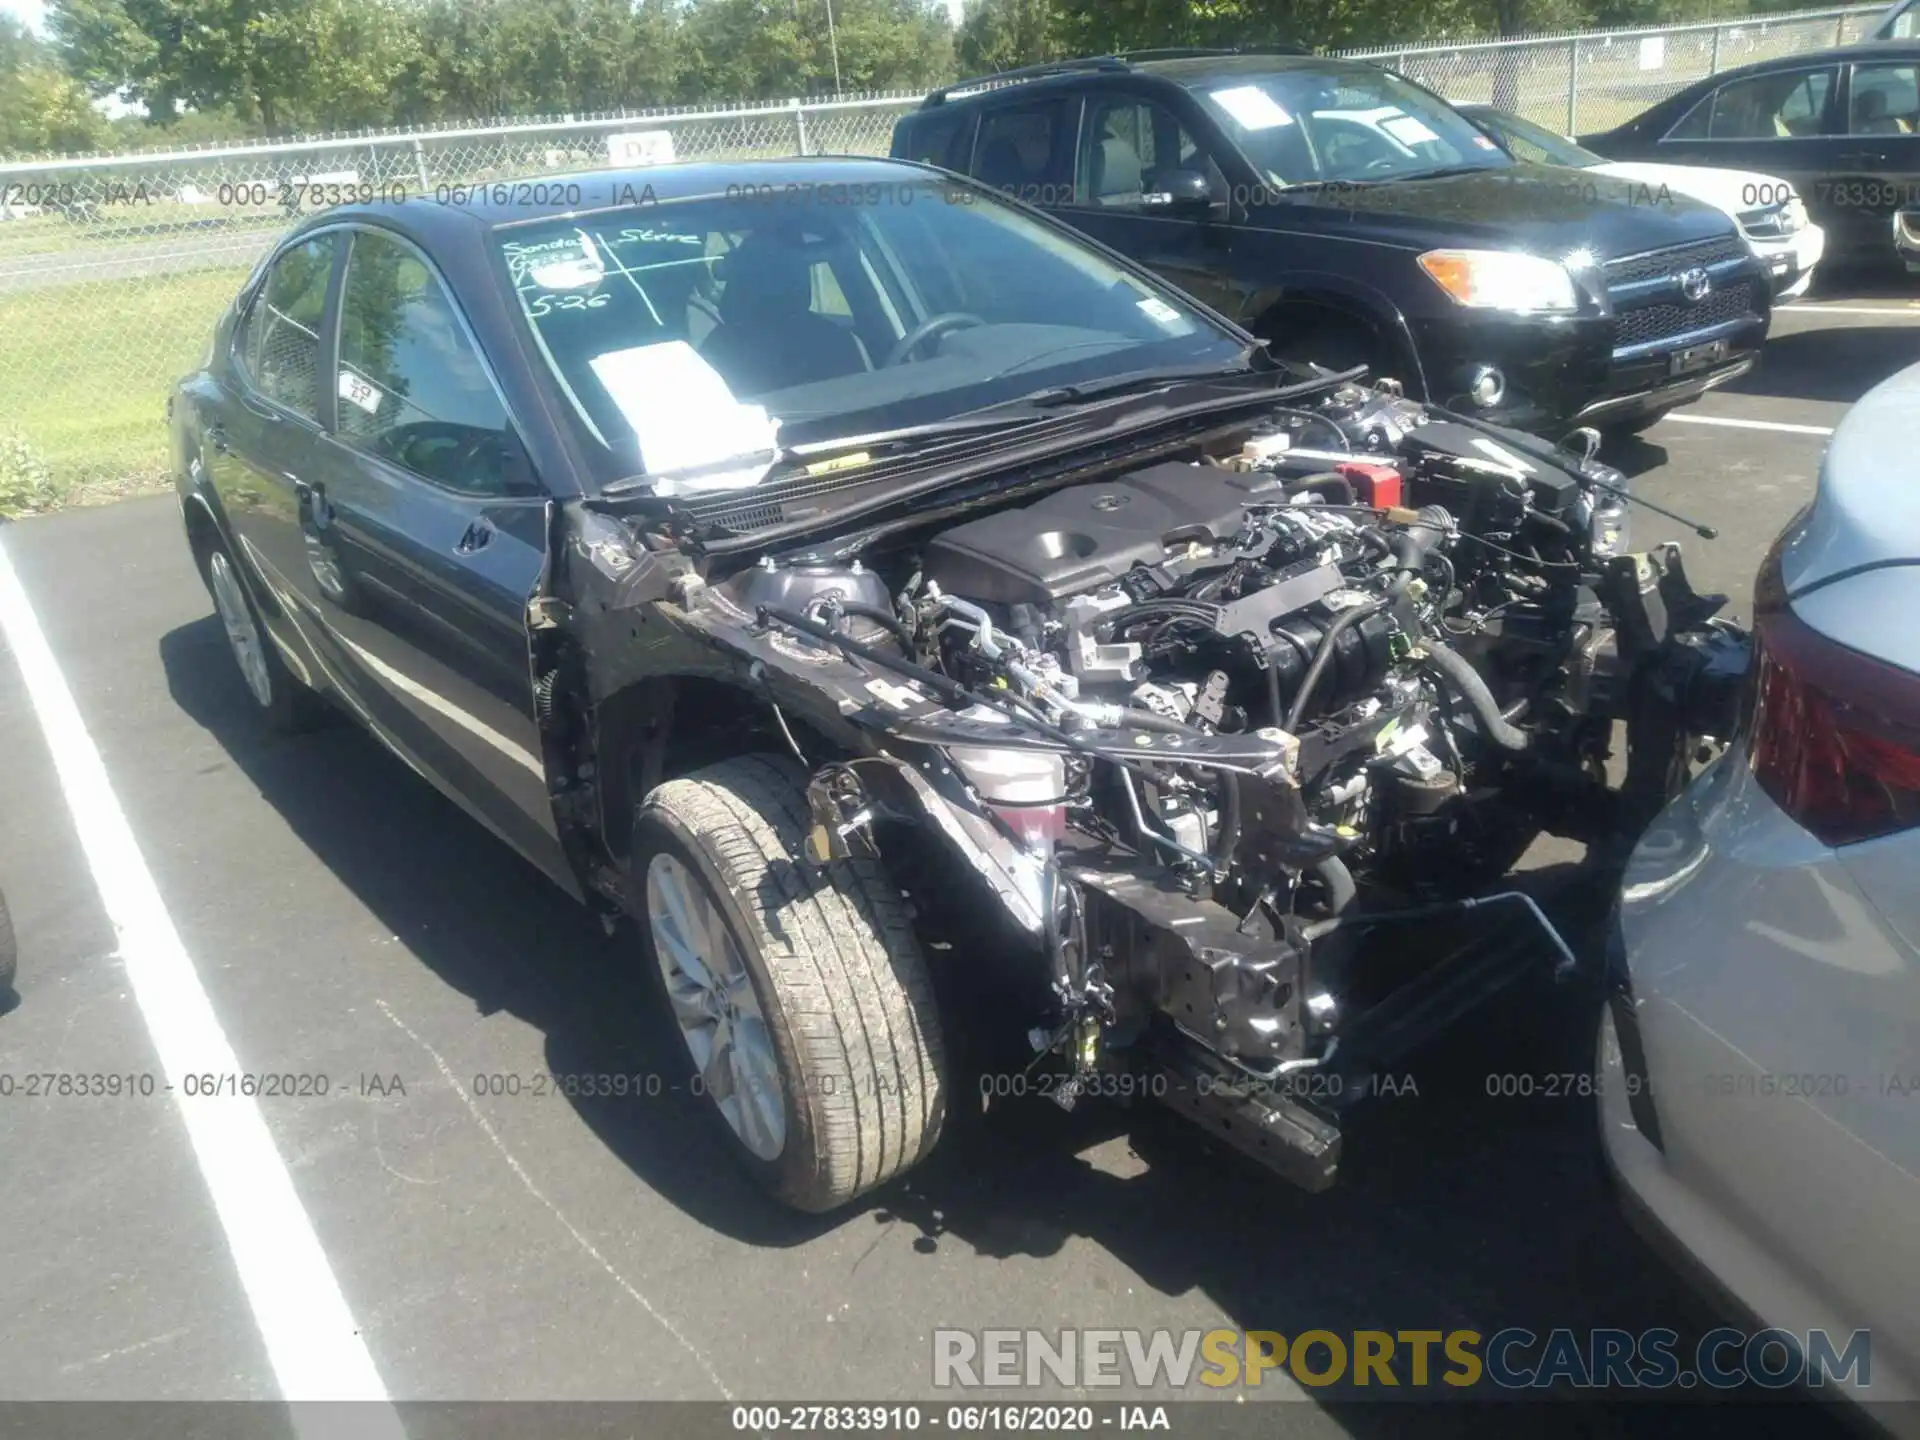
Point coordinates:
[(354, 932)]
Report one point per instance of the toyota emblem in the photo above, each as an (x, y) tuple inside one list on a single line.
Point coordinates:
[(1110, 502), (1695, 284)]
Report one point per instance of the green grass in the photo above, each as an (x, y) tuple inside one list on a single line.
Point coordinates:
[(84, 375)]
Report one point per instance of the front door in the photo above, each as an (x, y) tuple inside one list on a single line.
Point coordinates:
[(430, 537), (1130, 151)]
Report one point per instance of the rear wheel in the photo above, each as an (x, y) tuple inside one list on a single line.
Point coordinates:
[(801, 996), (282, 701)]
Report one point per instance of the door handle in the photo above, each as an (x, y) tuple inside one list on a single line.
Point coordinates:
[(311, 497), (217, 438), (476, 537)]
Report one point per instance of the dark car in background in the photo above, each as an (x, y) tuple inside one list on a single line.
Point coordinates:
[(1347, 216), (1842, 126)]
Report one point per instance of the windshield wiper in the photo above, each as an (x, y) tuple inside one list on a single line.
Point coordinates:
[(1447, 171), (1144, 382)]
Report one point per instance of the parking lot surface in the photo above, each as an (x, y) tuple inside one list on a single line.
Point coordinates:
[(493, 1239)]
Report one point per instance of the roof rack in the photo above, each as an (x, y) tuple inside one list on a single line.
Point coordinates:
[(1029, 72), (1201, 52), (1124, 60)]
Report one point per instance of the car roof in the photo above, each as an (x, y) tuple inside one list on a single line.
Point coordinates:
[(496, 203), (1192, 69), (1195, 70)]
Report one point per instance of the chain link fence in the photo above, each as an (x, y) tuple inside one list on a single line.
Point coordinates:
[(113, 269)]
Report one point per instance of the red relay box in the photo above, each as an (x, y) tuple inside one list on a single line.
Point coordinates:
[(1374, 485)]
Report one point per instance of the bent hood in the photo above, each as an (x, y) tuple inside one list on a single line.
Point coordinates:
[(1547, 209)]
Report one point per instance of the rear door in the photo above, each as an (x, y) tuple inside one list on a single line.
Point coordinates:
[(1786, 122), (264, 442), (433, 535), (1130, 149), (1025, 148)]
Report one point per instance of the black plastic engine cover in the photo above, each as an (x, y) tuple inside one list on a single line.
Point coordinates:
[(1090, 535)]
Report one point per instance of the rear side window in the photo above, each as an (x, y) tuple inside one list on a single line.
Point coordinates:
[(1027, 150), (937, 138), (279, 342), (1785, 106), (412, 388)]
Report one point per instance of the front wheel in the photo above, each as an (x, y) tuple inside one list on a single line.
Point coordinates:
[(801, 996)]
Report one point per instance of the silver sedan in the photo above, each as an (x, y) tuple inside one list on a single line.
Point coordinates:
[(1760, 1052)]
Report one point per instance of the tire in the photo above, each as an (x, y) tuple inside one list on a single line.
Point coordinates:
[(830, 1018), (9, 951), (283, 703)]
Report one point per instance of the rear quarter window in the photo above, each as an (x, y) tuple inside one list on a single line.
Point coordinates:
[(936, 138)]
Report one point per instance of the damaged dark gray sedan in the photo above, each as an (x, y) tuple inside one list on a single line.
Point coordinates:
[(882, 594)]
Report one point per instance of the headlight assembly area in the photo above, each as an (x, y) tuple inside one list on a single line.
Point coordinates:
[(1226, 726)]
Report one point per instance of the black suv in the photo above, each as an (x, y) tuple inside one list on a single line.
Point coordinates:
[(1350, 216)]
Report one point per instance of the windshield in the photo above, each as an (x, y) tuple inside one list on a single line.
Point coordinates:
[(1313, 124), (692, 331), (1528, 141)]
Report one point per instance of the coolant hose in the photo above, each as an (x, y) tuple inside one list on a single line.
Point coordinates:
[(1454, 668)]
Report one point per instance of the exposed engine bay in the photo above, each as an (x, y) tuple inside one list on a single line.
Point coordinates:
[(1203, 725)]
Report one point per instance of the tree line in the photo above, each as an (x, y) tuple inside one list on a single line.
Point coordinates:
[(189, 71)]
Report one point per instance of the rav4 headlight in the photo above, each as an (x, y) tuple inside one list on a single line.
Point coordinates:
[(1503, 280)]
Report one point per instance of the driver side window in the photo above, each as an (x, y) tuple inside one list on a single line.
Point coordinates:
[(1130, 147), (412, 389)]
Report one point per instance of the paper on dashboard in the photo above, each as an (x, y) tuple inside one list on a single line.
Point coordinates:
[(694, 433)]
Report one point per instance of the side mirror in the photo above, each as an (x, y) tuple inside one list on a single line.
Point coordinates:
[(1184, 191)]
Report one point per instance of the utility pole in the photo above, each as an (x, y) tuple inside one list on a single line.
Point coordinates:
[(833, 43)]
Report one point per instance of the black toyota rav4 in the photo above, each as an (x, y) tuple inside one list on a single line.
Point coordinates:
[(1349, 216)]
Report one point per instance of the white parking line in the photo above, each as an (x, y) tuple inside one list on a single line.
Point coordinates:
[(1911, 312), (1780, 425), (314, 1347)]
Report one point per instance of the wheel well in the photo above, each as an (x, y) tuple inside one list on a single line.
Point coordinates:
[(654, 730), (203, 536), (1290, 319)]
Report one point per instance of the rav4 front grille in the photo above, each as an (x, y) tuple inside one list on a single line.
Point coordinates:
[(1646, 323), (1659, 264)]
